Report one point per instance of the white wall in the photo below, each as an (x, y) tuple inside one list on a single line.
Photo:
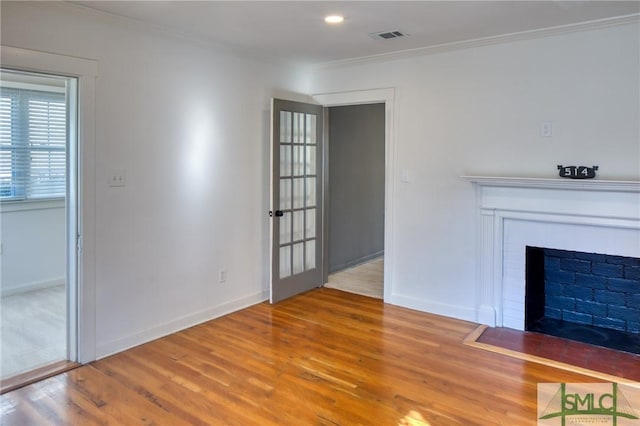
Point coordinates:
[(190, 126), (479, 111), (33, 245)]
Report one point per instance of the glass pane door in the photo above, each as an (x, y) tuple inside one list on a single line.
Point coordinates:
[(297, 183)]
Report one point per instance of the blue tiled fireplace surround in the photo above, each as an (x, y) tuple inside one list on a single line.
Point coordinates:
[(574, 294)]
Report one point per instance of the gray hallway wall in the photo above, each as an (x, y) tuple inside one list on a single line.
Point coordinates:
[(356, 184)]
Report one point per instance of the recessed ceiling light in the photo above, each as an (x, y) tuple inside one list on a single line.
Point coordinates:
[(334, 19)]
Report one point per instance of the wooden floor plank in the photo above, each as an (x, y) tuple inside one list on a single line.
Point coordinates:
[(325, 357)]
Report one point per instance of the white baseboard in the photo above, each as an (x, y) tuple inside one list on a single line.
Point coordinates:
[(453, 311), (115, 346), (23, 288), (356, 262)]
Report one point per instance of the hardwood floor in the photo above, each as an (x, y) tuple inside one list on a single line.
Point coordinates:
[(325, 357), (366, 279)]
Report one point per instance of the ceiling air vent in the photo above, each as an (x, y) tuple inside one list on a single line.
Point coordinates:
[(388, 35)]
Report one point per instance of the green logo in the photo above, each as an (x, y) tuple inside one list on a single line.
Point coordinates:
[(587, 403)]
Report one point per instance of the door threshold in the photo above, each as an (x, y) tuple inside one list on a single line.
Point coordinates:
[(15, 382)]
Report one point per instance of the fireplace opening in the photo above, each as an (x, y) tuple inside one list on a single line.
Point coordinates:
[(587, 297)]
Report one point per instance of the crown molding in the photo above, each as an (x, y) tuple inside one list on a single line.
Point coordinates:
[(190, 38), (134, 23), (485, 41)]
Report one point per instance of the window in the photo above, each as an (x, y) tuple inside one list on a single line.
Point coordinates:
[(33, 137)]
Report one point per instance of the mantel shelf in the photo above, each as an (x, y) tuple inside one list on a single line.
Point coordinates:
[(557, 183)]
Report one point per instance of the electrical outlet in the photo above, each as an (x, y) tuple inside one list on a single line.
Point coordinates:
[(546, 129), (117, 178), (223, 275)]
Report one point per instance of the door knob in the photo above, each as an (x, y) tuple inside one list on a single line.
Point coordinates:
[(279, 213)]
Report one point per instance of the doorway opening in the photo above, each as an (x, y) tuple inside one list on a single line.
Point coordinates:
[(38, 224), (356, 198), (284, 160), (384, 96)]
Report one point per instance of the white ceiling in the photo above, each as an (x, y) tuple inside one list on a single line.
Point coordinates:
[(295, 30)]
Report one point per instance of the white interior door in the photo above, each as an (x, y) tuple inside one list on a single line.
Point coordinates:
[(296, 188)]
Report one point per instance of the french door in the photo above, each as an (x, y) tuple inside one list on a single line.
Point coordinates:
[(296, 188)]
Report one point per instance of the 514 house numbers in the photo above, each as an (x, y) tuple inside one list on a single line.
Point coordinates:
[(577, 172)]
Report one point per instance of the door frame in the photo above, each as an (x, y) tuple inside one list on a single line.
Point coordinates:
[(83, 246), (361, 97)]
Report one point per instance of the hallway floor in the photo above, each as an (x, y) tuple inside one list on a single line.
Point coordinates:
[(366, 279)]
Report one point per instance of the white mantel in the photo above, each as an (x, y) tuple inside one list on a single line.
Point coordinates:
[(595, 216), (557, 183)]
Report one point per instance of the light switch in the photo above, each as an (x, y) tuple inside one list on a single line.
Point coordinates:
[(546, 129)]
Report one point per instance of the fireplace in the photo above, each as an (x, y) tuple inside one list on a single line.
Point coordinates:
[(589, 297), (588, 216)]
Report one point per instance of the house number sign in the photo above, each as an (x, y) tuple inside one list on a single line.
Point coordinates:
[(577, 172)]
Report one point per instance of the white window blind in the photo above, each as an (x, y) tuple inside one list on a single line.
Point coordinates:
[(33, 138)]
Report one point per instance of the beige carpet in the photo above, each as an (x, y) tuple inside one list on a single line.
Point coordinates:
[(366, 279)]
